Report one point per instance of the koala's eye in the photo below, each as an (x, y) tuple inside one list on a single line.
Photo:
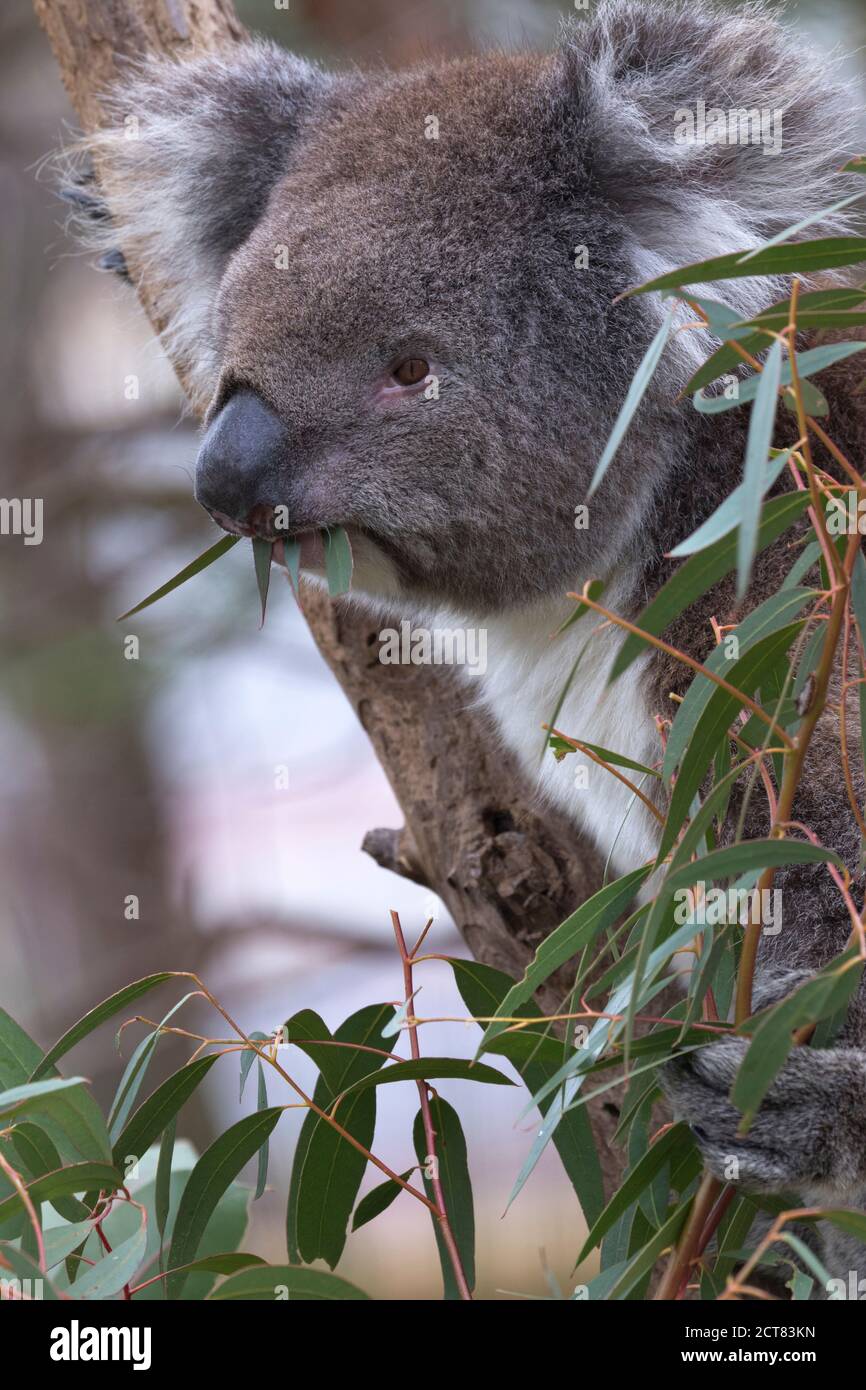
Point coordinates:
[(410, 371)]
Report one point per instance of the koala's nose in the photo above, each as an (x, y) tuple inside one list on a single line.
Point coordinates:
[(237, 473)]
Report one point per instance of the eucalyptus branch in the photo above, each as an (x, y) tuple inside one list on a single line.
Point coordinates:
[(441, 1211), (686, 660), (608, 767), (21, 1188), (265, 1056)]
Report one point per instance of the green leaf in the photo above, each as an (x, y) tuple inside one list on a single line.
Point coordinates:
[(641, 1263), (778, 315), (727, 517), (75, 1177), (196, 567), (826, 254), (36, 1155), (761, 424), (223, 1233), (13, 1098), (700, 573), (715, 718), (578, 613), (428, 1068), (840, 319), (378, 1200), (637, 1181), (292, 550), (109, 1275), (801, 226), (858, 596), (853, 1223), (162, 1186), (453, 1171), (218, 1166), (733, 1231), (107, 1009), (155, 1114), (19, 1054), (725, 360), (594, 589), (722, 321), (226, 1262), (327, 1171), (801, 1286), (73, 1122), (338, 561), (814, 401), (247, 1057), (721, 863), (25, 1268), (262, 1104), (262, 554), (308, 1031), (267, 1282), (565, 1084), (636, 392), (808, 364), (535, 1056), (776, 614), (60, 1241), (808, 1256), (571, 936), (136, 1070), (559, 745)]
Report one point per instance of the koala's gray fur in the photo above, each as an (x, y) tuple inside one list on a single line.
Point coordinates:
[(460, 250)]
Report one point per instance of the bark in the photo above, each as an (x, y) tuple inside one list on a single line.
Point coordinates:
[(508, 872)]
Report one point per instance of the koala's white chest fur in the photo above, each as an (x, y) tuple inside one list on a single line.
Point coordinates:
[(526, 672)]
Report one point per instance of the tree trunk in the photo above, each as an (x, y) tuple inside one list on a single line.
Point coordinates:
[(508, 873)]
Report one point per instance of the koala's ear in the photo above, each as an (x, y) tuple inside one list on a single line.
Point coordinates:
[(630, 75), (186, 171)]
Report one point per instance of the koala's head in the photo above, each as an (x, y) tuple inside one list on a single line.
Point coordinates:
[(394, 292)]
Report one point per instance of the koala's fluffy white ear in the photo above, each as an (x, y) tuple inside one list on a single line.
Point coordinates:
[(633, 72), (186, 170)]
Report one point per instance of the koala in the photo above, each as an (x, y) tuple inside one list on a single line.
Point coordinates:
[(395, 298)]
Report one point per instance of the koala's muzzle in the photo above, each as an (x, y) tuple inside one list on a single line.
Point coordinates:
[(239, 466)]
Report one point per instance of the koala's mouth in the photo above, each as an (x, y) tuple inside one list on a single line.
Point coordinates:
[(261, 527), (312, 550)]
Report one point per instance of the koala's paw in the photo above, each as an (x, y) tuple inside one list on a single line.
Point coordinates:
[(796, 1140), (83, 196)]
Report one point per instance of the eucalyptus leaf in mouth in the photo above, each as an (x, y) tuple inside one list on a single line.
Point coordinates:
[(330, 549)]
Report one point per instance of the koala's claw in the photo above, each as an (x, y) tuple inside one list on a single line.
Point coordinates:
[(789, 1143), (84, 197), (115, 261)]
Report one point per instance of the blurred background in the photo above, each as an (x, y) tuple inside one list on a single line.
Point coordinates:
[(202, 806)]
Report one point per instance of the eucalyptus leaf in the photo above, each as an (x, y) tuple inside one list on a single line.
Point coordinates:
[(218, 1166), (274, 1282), (189, 571), (636, 392)]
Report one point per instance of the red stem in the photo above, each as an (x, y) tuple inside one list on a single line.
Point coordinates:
[(427, 1120)]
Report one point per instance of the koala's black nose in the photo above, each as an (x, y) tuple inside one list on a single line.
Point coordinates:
[(241, 459)]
